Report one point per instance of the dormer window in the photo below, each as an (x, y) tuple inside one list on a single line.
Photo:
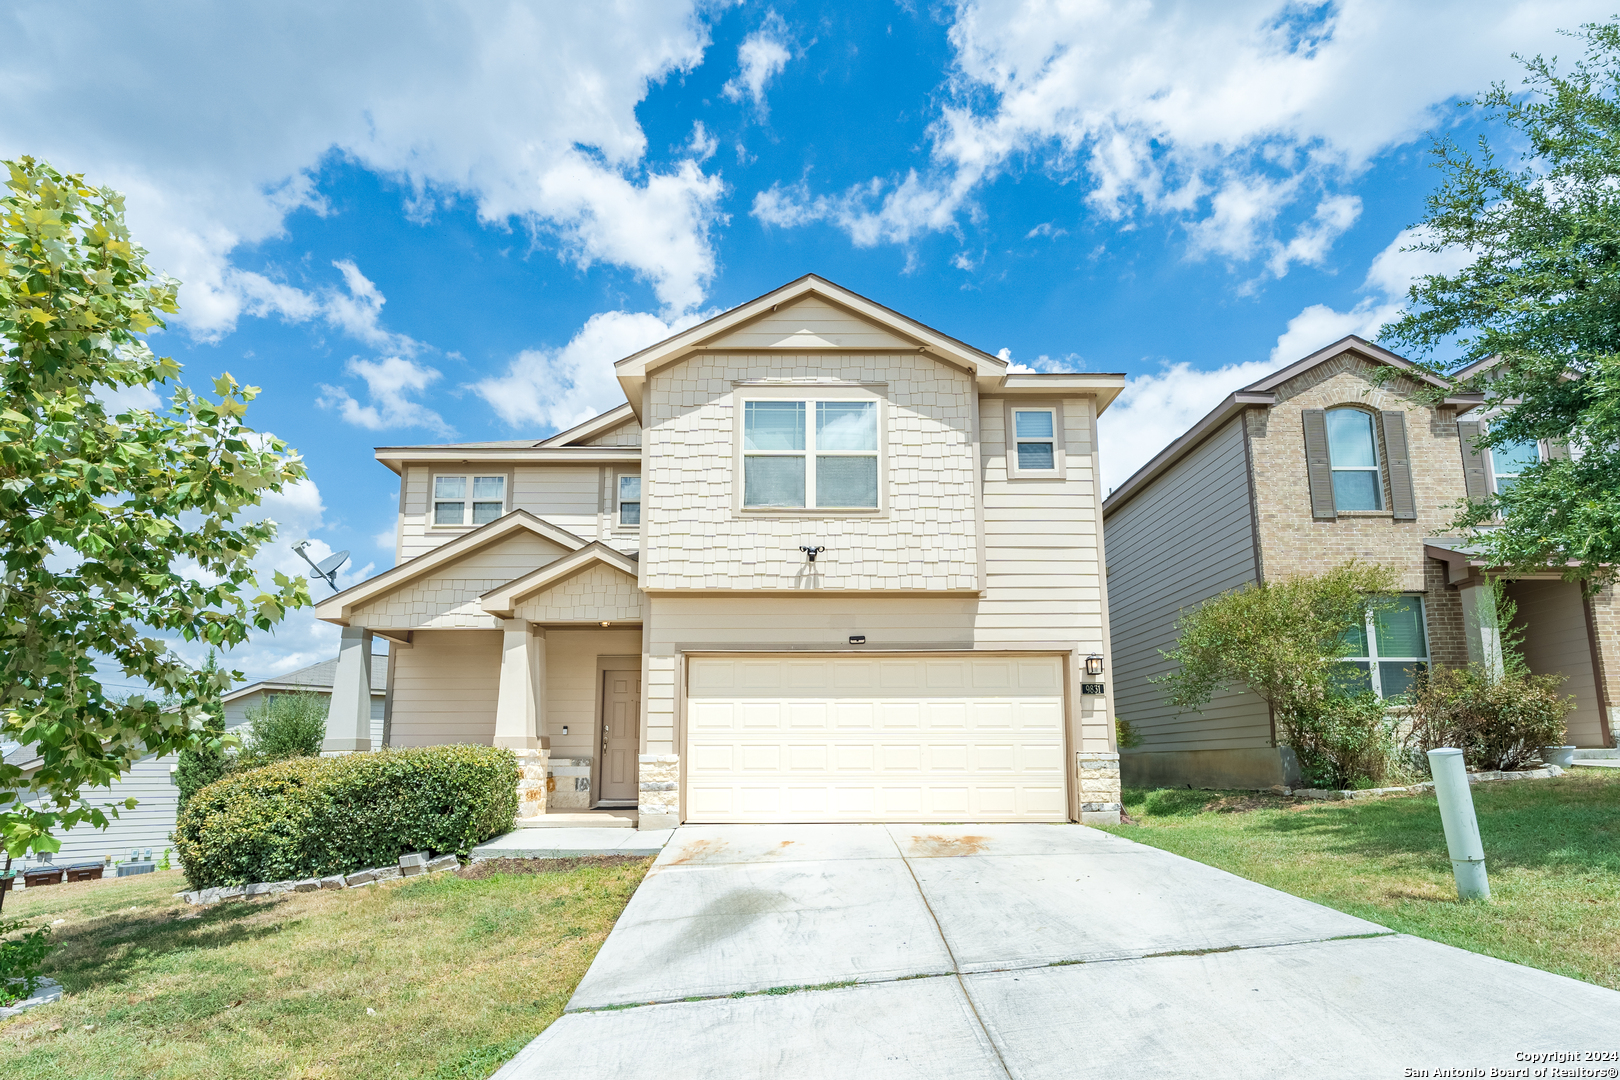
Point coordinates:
[(451, 500), (1353, 453), (810, 454)]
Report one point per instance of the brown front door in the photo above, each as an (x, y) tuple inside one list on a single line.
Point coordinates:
[(621, 735)]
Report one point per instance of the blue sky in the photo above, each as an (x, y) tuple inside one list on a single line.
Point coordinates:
[(417, 223)]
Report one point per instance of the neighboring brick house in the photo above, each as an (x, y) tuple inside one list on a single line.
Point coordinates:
[(1315, 464), (631, 607)]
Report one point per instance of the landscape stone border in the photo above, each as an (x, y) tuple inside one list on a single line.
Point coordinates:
[(415, 864), (1545, 773)]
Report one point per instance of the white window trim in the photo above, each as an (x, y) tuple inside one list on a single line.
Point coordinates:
[(466, 516), (1373, 659), (1059, 468), (1490, 453), (809, 394), (1376, 468), (617, 525)]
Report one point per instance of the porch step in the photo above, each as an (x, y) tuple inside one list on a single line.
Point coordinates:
[(580, 819)]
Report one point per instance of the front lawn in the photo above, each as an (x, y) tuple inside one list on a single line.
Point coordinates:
[(442, 977), (1552, 848)]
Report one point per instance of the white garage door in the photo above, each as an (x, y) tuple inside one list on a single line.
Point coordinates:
[(893, 738)]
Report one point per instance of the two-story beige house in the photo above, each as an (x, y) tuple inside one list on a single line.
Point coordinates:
[(1315, 464), (824, 564)]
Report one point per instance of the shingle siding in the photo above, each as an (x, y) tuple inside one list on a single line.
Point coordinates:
[(696, 539)]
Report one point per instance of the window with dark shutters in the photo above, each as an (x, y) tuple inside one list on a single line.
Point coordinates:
[(1318, 466), (1397, 459), (1476, 477)]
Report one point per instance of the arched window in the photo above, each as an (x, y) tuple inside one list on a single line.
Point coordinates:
[(1508, 461), (1353, 453)]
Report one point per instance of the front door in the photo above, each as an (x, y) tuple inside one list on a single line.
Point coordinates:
[(621, 736)]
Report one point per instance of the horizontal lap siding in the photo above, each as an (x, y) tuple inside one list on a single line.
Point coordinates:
[(1555, 641), (569, 497), (1042, 571), (148, 825), (445, 687), (571, 684), (1188, 537)]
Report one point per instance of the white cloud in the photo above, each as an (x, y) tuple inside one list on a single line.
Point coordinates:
[(1221, 116), (762, 55), (358, 311), (1154, 409), (558, 388), (702, 144), (1390, 275), (212, 120), (390, 382)]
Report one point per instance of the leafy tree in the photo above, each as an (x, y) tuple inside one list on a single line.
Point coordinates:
[(202, 764), (286, 726), (113, 528), (1282, 640), (1542, 295)]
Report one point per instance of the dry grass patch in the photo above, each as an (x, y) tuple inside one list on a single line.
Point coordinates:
[(443, 977), (1552, 848)]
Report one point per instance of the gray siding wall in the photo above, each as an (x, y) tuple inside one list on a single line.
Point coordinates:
[(1187, 537), (146, 826)]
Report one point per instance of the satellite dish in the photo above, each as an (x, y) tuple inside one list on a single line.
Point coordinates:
[(327, 568)]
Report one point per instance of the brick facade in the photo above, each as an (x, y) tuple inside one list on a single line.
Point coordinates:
[(1604, 609), (1292, 542)]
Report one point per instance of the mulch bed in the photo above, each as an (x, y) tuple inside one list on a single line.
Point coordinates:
[(486, 867)]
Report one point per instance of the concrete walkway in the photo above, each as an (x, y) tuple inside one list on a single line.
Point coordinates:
[(1026, 951), (525, 843)]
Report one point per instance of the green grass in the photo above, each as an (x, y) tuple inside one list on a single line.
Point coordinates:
[(458, 972), (1552, 849)]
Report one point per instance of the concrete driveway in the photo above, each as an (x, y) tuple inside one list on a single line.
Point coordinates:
[(1026, 951)]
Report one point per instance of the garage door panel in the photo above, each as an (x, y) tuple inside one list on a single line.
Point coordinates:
[(873, 739)]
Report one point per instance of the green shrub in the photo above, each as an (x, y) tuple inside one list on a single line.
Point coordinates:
[(1342, 740), (1126, 736), (312, 816), (1498, 721), (285, 726), (20, 958)]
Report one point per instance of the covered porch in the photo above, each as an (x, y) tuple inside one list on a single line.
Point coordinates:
[(1565, 631), (517, 635)]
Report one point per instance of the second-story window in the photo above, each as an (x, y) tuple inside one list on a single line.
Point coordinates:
[(1507, 462), (803, 454), (1035, 434), (1353, 452), (629, 500), (454, 495)]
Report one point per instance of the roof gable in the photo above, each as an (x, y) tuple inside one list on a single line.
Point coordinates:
[(338, 608), (502, 601), (838, 312), (585, 434)]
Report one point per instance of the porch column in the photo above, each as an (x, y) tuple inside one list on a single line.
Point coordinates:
[(348, 719), (520, 708), (1481, 629), (522, 691)]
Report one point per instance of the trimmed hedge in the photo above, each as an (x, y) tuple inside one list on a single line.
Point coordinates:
[(311, 816)]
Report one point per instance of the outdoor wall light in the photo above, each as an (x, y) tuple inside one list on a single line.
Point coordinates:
[(857, 639), (1094, 664), (565, 729), (811, 552)]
